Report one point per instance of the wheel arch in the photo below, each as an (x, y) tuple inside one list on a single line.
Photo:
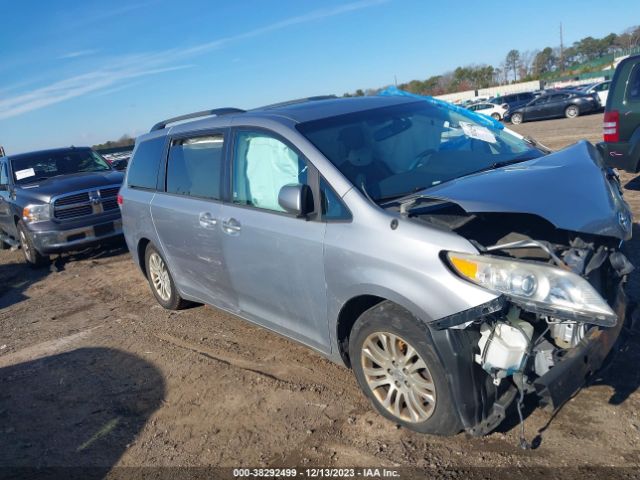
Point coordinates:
[(359, 303), (140, 252)]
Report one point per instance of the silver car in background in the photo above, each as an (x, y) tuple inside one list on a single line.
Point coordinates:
[(452, 264)]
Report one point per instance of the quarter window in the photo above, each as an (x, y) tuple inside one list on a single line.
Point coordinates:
[(633, 90), (332, 206), (143, 171), (262, 165), (194, 167)]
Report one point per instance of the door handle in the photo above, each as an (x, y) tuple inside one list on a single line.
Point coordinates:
[(206, 220), (231, 226)]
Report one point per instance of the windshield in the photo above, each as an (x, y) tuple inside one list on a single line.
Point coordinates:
[(394, 151), (42, 166)]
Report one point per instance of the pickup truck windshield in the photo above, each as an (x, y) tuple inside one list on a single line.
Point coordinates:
[(391, 152), (42, 166)]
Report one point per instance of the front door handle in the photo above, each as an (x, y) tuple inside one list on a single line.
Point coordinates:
[(206, 220), (231, 226)]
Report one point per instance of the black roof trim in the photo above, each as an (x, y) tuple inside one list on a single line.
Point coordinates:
[(205, 113), (296, 101)]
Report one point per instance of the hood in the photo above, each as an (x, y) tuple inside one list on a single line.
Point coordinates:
[(570, 189), (43, 191)]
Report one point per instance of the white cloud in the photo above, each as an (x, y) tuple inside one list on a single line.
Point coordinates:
[(79, 53), (134, 66)]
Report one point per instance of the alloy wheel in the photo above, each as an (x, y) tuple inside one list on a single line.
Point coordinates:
[(24, 244), (398, 377), (160, 276)]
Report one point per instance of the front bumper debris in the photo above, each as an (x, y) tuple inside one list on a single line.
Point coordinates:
[(567, 377)]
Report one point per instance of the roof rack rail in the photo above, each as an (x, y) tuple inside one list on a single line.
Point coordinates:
[(205, 113), (296, 101)]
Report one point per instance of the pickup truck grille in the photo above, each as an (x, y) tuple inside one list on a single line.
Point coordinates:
[(82, 204)]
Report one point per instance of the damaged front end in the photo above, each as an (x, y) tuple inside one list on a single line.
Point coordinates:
[(548, 236), (560, 311)]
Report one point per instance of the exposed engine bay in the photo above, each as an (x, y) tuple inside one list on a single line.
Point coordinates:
[(515, 339), (521, 344)]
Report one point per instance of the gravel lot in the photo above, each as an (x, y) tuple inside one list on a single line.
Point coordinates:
[(94, 372)]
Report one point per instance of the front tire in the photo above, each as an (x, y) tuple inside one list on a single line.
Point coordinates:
[(161, 281), (572, 111), (517, 118), (496, 116), (34, 258), (399, 371)]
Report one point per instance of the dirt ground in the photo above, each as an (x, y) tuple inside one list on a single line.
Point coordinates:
[(94, 372)]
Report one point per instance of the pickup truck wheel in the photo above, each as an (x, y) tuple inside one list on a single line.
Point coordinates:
[(399, 371), (161, 281), (572, 111), (31, 255)]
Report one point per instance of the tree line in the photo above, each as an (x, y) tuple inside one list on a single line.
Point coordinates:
[(124, 141), (523, 66)]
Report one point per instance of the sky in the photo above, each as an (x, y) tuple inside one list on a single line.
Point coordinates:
[(84, 72)]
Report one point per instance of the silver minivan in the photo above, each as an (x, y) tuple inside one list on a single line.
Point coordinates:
[(453, 264)]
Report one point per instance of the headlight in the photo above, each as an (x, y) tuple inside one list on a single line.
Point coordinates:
[(36, 213), (536, 287)]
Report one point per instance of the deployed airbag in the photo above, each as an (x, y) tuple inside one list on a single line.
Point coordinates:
[(270, 165)]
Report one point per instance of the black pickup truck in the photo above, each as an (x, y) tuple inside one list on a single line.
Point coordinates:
[(57, 200)]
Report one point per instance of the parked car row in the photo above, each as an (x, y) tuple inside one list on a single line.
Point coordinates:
[(118, 160), (544, 104), (569, 104), (399, 236)]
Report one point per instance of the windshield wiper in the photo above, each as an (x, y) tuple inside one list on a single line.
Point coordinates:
[(533, 142), (391, 198)]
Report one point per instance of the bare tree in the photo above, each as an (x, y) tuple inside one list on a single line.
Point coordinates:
[(512, 61)]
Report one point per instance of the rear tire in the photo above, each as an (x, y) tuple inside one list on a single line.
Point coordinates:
[(34, 258), (496, 116), (395, 362), (517, 118), (161, 281), (572, 111)]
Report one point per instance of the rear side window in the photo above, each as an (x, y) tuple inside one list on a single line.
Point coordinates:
[(4, 176), (143, 171), (195, 167), (633, 88)]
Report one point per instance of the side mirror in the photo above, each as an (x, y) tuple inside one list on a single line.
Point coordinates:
[(296, 199)]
